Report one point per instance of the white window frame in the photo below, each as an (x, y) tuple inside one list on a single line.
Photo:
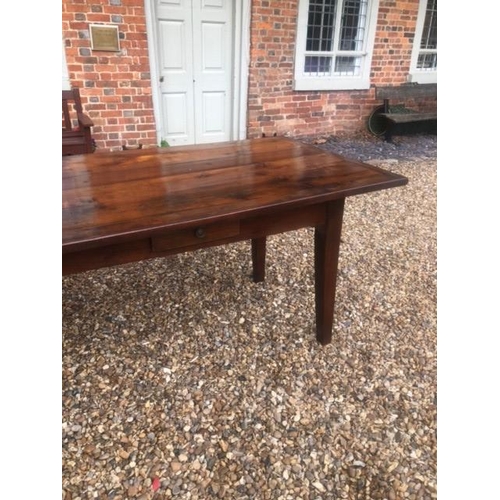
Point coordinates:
[(418, 75), (66, 85), (304, 81)]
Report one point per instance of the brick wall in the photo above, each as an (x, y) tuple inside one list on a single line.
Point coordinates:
[(115, 86), (393, 42), (274, 107)]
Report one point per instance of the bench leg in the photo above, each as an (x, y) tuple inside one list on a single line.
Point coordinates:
[(388, 133), (259, 259), (326, 256)]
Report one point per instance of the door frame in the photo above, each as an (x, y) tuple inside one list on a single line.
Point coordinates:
[(241, 40)]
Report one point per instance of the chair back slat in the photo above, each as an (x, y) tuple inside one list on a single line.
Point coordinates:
[(76, 133), (71, 101)]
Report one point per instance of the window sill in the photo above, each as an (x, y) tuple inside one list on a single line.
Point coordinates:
[(331, 83), (423, 77)]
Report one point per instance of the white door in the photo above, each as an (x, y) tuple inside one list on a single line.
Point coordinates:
[(195, 40)]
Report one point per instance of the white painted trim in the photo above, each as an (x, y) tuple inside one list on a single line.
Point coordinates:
[(242, 17), (153, 64), (415, 75), (334, 82), (241, 39), (423, 77), (66, 84)]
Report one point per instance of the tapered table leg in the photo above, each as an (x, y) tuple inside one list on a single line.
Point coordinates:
[(326, 256), (259, 259)]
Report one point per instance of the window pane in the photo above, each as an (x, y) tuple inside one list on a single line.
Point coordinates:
[(429, 34), (353, 25), (347, 66), (427, 61), (318, 65), (321, 21)]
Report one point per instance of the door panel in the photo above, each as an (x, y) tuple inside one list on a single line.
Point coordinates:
[(213, 3), (214, 107), (176, 70), (176, 122), (212, 46), (195, 48)]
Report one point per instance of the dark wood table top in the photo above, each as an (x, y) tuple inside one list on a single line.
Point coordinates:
[(115, 196)]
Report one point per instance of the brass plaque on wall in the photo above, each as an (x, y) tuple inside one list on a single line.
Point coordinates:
[(104, 37)]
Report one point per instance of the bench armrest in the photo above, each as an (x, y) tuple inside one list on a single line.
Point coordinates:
[(84, 120)]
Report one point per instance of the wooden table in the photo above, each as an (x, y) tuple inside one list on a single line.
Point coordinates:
[(127, 206)]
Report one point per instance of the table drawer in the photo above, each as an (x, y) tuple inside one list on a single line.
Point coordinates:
[(195, 235)]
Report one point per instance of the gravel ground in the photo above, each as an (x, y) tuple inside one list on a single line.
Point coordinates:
[(184, 379), (365, 147)]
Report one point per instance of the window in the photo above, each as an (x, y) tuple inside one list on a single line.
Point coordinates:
[(423, 67), (334, 44)]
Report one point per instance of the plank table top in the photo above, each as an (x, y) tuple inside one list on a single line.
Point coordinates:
[(126, 206), (107, 197)]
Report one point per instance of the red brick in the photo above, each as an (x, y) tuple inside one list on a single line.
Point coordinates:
[(273, 105)]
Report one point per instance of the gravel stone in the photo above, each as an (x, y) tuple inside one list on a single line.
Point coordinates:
[(183, 369)]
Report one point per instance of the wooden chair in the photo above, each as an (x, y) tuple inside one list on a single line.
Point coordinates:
[(76, 125)]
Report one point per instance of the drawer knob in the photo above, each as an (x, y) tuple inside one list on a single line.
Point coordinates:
[(200, 232)]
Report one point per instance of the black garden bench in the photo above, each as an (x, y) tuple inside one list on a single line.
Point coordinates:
[(385, 117)]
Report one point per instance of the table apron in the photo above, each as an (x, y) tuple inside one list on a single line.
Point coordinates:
[(192, 238)]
